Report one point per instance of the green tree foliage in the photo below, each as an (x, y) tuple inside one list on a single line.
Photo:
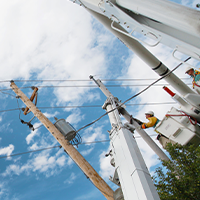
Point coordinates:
[(180, 177)]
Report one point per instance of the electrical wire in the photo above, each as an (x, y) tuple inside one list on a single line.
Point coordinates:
[(71, 80), (59, 146), (88, 106), (19, 154), (84, 86), (7, 93)]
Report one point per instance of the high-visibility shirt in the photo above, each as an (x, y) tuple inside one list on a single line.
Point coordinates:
[(153, 121), (196, 77)]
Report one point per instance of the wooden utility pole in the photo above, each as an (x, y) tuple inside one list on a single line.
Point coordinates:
[(72, 152)]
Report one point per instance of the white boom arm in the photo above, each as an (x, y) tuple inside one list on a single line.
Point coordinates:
[(114, 15)]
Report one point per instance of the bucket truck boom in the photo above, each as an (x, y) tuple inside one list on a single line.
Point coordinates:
[(158, 21)]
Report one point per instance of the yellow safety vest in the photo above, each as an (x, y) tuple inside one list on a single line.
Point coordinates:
[(151, 123)]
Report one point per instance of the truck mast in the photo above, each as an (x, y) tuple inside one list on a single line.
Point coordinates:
[(158, 21), (149, 22)]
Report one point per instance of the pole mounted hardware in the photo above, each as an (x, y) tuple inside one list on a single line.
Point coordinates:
[(33, 96)]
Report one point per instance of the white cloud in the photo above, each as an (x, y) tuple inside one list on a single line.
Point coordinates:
[(106, 169), (50, 115), (30, 45), (91, 134), (42, 163), (3, 190), (71, 179), (61, 161), (75, 117), (86, 152), (6, 127), (12, 169), (70, 162), (7, 150), (34, 133), (34, 146)]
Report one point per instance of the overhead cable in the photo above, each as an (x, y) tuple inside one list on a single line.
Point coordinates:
[(59, 146), (84, 86), (79, 80), (19, 154), (89, 106)]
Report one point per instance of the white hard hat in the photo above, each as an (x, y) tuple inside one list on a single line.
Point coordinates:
[(149, 113), (188, 68)]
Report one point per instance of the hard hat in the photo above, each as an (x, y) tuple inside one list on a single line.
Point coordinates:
[(149, 113), (188, 68)]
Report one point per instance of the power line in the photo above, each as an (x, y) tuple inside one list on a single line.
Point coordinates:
[(79, 80), (86, 86), (88, 106), (7, 93), (19, 154), (59, 146)]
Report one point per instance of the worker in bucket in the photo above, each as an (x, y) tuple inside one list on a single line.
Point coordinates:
[(153, 121), (195, 74)]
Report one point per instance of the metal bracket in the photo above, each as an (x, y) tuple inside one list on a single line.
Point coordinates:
[(186, 52), (78, 2), (130, 128), (115, 178), (117, 15)]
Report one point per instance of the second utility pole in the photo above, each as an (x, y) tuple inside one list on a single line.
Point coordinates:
[(72, 152)]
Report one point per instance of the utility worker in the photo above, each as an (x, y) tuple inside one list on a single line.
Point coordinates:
[(153, 121), (195, 74)]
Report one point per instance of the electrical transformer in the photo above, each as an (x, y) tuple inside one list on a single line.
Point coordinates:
[(66, 129)]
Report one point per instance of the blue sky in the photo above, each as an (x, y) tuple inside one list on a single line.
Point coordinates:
[(59, 40)]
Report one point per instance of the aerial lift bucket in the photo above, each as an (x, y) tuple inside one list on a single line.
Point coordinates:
[(178, 128)]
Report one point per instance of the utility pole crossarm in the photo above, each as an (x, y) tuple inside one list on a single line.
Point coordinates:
[(70, 150)]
